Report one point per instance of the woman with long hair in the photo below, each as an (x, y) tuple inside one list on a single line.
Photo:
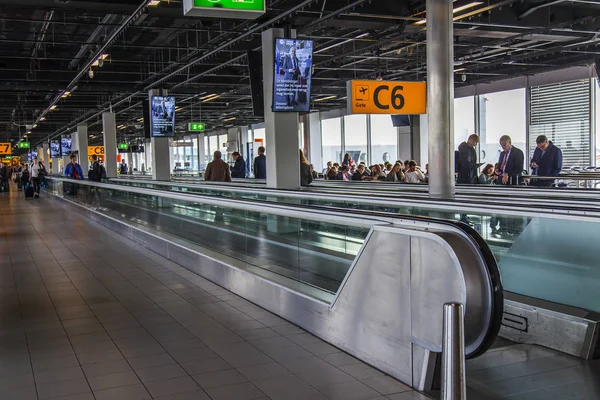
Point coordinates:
[(348, 162), (487, 176), (305, 174)]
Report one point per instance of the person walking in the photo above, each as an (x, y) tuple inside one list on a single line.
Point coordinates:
[(467, 161), (239, 168), (260, 164), (217, 170), (547, 160), (97, 172), (35, 179)]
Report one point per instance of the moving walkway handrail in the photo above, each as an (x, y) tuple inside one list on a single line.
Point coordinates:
[(500, 208), (446, 229)]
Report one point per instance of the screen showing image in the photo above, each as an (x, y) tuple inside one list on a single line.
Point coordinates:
[(293, 75), (31, 156), (163, 116), (66, 146), (54, 149)]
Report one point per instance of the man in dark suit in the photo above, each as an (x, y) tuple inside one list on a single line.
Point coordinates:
[(467, 161), (546, 161), (239, 168), (260, 164), (510, 163), (291, 68)]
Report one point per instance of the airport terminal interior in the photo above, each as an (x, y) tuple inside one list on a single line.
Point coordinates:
[(299, 199)]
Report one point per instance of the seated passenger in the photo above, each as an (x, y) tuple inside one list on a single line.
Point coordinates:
[(326, 170), (487, 176), (361, 174), (377, 173), (313, 173), (348, 162), (345, 174), (332, 173), (396, 174), (388, 167), (414, 174)]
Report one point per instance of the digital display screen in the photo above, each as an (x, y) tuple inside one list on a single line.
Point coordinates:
[(293, 75), (66, 146), (55, 149), (31, 156), (163, 116)]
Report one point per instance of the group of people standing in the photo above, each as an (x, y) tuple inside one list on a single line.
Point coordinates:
[(545, 162), (407, 172), (24, 175)]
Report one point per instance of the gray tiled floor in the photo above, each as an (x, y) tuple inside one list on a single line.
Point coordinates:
[(86, 314)]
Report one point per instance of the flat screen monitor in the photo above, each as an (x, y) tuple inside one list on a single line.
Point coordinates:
[(55, 149), (293, 75), (400, 120), (66, 146), (163, 116)]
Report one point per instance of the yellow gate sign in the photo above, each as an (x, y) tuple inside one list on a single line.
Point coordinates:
[(97, 150), (383, 97), (5, 149)]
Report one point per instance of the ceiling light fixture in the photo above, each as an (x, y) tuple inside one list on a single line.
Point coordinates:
[(65, 94), (153, 3), (101, 57), (456, 10), (43, 119), (53, 107), (230, 119), (325, 98), (208, 96), (211, 98)]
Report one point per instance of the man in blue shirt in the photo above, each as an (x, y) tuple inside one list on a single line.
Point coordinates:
[(73, 170), (260, 164), (546, 161)]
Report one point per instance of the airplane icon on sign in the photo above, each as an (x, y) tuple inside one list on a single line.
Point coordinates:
[(363, 90)]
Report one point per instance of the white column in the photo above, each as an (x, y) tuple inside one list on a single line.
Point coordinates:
[(109, 126), (316, 149), (161, 165), (55, 162), (80, 143), (46, 152), (201, 151), (129, 163), (283, 159)]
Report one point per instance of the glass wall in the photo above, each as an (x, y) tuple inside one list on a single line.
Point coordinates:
[(502, 113), (331, 133), (464, 119), (355, 137), (384, 139), (260, 134)]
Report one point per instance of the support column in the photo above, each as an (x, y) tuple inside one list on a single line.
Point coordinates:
[(440, 98), (80, 143), (201, 150), (161, 167), (129, 163), (109, 126), (315, 141), (281, 129), (55, 166), (46, 152)]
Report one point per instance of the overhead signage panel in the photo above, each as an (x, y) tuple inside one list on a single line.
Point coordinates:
[(24, 145), (5, 149), (97, 150), (240, 9), (123, 146), (196, 127), (381, 97)]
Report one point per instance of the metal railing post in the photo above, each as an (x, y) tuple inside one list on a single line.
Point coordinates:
[(454, 385)]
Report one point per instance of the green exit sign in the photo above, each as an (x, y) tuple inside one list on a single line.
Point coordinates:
[(8, 158), (243, 9), (123, 146), (196, 127), (24, 145)]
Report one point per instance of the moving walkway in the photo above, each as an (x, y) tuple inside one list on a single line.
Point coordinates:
[(547, 255), (371, 283)]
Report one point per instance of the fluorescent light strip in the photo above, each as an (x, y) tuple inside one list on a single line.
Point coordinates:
[(456, 10), (325, 98)]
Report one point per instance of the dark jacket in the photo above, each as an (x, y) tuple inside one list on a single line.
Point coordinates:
[(549, 164), (305, 175), (260, 167), (217, 171), (514, 165), (239, 168), (467, 164), (357, 176)]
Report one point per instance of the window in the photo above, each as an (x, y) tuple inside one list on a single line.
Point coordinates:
[(384, 139), (206, 159), (223, 146), (331, 134), (464, 119), (562, 112), (502, 113), (597, 119), (355, 135), (213, 142), (301, 135), (260, 134)]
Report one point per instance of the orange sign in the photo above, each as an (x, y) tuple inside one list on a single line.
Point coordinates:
[(381, 97), (5, 149), (97, 150)]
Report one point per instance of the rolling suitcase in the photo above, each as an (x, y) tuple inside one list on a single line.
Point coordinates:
[(29, 192)]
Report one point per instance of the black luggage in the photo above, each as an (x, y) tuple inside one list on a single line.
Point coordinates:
[(29, 192)]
